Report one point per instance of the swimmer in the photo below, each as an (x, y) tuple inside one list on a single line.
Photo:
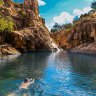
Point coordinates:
[(23, 87), (27, 82)]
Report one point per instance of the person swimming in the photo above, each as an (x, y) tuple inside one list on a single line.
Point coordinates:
[(23, 88), (27, 82)]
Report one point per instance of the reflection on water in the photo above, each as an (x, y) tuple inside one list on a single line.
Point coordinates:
[(56, 74)]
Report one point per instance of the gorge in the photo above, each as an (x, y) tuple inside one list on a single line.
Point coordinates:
[(53, 59)]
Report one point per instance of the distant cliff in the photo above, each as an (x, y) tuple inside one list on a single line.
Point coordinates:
[(81, 37), (22, 29)]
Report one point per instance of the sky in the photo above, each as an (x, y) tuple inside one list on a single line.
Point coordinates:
[(62, 11)]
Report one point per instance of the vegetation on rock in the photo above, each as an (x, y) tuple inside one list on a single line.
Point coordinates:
[(93, 5), (6, 25), (1, 2)]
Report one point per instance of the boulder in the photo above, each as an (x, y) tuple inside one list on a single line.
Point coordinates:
[(7, 49)]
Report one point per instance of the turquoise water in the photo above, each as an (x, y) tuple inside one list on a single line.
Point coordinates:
[(56, 74)]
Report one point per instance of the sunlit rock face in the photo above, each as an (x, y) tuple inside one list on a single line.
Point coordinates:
[(82, 35), (30, 32), (84, 31)]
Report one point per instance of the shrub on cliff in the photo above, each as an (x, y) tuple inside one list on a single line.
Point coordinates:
[(22, 13), (56, 27), (93, 5), (1, 2), (6, 25)]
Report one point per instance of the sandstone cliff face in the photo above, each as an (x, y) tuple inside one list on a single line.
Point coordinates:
[(84, 31), (83, 34), (61, 38), (30, 32)]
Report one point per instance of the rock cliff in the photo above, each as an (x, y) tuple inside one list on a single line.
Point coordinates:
[(61, 38), (81, 38), (29, 32), (84, 31)]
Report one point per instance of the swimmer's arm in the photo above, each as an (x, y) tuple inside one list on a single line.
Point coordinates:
[(32, 81)]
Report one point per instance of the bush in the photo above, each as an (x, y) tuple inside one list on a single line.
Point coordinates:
[(6, 25), (22, 13), (93, 5), (1, 2)]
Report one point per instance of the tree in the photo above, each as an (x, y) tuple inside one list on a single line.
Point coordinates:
[(67, 26), (6, 25), (76, 18), (93, 5), (56, 27), (1, 2)]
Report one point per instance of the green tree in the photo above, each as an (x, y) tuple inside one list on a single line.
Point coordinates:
[(6, 25), (67, 26), (93, 5), (1, 2), (56, 27)]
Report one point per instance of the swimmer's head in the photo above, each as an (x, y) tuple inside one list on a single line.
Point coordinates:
[(26, 80)]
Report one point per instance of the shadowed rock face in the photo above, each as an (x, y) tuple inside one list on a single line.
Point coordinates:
[(30, 32)]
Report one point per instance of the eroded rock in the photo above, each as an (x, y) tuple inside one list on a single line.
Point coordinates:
[(30, 32)]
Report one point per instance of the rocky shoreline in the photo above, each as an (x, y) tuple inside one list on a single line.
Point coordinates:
[(85, 48)]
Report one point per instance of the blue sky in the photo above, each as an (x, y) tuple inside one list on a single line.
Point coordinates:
[(64, 10)]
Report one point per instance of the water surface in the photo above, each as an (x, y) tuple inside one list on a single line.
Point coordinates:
[(56, 74)]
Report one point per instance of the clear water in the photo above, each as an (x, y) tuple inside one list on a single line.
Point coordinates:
[(56, 74)]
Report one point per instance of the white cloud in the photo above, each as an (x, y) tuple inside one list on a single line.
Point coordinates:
[(41, 3), (78, 12), (66, 17)]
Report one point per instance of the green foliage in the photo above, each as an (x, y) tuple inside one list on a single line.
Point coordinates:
[(54, 30), (1, 2), (68, 26), (93, 5), (6, 25), (10, 26), (56, 27), (85, 15), (22, 13)]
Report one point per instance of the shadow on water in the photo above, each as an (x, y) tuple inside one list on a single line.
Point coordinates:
[(84, 72), (26, 65), (84, 64)]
